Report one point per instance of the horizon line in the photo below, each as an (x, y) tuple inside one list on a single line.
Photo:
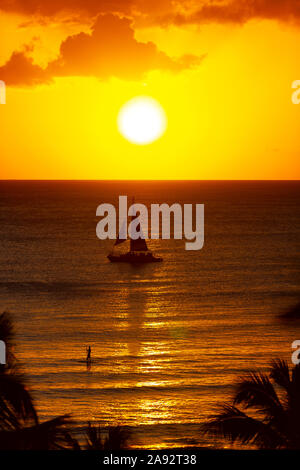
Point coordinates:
[(144, 180)]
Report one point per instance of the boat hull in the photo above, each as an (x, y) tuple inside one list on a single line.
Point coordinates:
[(134, 258)]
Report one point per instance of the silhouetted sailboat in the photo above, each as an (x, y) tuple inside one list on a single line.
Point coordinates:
[(138, 251)]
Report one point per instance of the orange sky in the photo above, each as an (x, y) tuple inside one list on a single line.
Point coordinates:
[(222, 71)]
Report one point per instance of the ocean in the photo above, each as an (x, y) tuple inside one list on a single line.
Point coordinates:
[(169, 340)]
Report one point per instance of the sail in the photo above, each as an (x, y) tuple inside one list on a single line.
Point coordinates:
[(123, 231), (119, 240), (135, 245), (139, 244)]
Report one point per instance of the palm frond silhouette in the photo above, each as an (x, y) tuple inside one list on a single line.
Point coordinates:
[(19, 423), (274, 401), (111, 438)]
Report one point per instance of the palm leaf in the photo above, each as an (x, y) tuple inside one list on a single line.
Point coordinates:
[(118, 437), (6, 327), (256, 391), (50, 435), (280, 373), (94, 438), (234, 425), (106, 438), (16, 405)]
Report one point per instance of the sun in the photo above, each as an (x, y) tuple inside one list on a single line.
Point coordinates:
[(142, 120)]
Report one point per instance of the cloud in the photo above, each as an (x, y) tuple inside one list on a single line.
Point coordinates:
[(110, 50), (53, 7), (163, 11), (20, 70), (236, 11)]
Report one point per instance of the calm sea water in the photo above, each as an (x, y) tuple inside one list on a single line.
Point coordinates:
[(169, 339)]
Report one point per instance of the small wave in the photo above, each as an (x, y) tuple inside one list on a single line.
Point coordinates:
[(98, 391), (55, 287)]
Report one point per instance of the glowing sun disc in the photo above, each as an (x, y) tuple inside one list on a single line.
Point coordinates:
[(142, 120)]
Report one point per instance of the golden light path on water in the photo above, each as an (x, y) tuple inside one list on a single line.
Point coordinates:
[(168, 341)]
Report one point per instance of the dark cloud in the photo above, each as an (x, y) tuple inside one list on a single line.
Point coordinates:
[(20, 70), (237, 11), (163, 11), (110, 50), (54, 7)]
